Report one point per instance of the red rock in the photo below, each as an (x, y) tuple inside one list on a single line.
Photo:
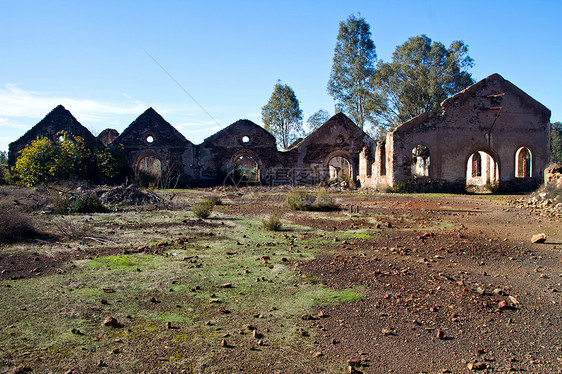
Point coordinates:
[(440, 334), (502, 304)]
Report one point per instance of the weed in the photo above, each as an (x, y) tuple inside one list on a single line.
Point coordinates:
[(89, 203), (61, 202), (216, 200), (203, 209), (15, 226), (273, 222), (70, 228)]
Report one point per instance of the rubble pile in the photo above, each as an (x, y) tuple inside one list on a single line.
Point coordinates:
[(130, 195), (547, 201)]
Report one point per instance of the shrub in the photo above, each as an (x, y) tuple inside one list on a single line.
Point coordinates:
[(15, 226), (324, 201), (44, 160), (69, 228), (273, 222), (88, 203), (61, 202), (301, 199), (203, 209), (216, 200)]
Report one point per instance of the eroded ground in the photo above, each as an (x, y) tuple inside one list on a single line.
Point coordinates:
[(398, 283)]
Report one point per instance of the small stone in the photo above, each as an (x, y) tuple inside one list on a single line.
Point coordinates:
[(318, 354), (226, 285), (502, 304), (168, 325), (354, 362), (111, 321), (224, 343), (476, 366), (261, 343), (440, 334), (538, 238), (387, 331), (153, 300)]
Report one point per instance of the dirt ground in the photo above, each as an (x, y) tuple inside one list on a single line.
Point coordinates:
[(447, 284)]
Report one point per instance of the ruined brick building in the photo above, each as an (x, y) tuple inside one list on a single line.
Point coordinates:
[(490, 133)]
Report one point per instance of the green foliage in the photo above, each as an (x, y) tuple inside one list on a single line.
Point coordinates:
[(317, 119), (421, 75), (4, 174), (15, 226), (3, 158), (556, 142), (301, 199), (215, 200), (88, 203), (273, 222), (204, 208), (353, 65), (282, 116), (44, 161), (112, 163)]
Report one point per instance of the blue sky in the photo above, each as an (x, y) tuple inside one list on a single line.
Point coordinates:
[(93, 57)]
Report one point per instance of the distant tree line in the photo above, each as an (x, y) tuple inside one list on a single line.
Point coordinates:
[(377, 96)]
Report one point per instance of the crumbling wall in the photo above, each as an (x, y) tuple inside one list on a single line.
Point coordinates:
[(242, 141), (339, 138), (156, 148), (492, 117)]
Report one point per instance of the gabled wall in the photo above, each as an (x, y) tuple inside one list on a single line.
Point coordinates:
[(59, 119), (492, 116)]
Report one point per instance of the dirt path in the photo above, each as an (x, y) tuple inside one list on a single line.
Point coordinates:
[(478, 296)]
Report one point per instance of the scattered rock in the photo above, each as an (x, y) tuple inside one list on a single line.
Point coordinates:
[(112, 322), (440, 334), (476, 366), (538, 238), (387, 331)]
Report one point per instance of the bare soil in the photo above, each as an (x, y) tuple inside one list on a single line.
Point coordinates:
[(448, 283)]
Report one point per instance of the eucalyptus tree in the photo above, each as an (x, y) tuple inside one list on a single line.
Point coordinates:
[(282, 116)]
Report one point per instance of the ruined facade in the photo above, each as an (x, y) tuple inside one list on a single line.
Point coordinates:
[(57, 120), (490, 133)]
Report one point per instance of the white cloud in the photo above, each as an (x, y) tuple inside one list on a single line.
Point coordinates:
[(17, 102)]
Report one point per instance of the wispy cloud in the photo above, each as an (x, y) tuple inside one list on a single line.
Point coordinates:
[(18, 102)]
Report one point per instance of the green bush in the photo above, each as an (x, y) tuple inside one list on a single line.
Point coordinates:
[(15, 226), (203, 209), (273, 222), (301, 199), (324, 201), (88, 203)]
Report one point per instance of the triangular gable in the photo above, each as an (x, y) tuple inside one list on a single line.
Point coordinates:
[(494, 85), (152, 124), (240, 127), (336, 125)]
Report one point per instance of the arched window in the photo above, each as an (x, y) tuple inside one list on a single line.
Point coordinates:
[(420, 161), (481, 169), (339, 168), (523, 163)]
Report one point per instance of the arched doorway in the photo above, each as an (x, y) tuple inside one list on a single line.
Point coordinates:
[(482, 169), (421, 159), (148, 169), (523, 163), (246, 169), (339, 169)]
